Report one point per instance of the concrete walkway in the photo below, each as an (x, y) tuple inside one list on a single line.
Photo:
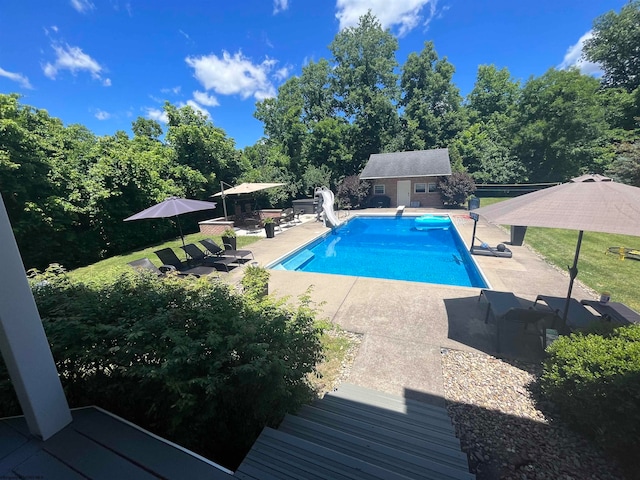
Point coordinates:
[(405, 324)]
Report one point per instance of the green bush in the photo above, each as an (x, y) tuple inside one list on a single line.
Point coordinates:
[(594, 381), (189, 359), (255, 281)]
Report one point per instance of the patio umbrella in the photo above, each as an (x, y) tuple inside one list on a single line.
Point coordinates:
[(591, 202), (242, 189), (172, 207)]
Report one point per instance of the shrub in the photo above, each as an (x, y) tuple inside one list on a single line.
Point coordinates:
[(189, 359), (594, 381), (229, 233), (352, 192), (255, 281), (456, 187)]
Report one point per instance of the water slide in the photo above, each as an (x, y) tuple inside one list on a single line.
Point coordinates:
[(330, 218)]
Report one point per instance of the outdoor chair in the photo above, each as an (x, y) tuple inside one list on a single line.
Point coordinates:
[(498, 303), (145, 265), (287, 215), (540, 320), (198, 257), (168, 257), (578, 315), (215, 250)]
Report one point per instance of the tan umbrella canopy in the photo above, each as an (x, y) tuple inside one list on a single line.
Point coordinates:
[(591, 202), (246, 188), (241, 189)]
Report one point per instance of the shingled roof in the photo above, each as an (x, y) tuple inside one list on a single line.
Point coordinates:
[(418, 163)]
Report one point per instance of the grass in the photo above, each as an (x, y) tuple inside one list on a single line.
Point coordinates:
[(339, 349), (114, 266), (598, 269)]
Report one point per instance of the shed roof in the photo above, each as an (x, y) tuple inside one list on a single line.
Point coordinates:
[(417, 163)]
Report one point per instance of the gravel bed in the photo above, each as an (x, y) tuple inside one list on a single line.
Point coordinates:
[(502, 431)]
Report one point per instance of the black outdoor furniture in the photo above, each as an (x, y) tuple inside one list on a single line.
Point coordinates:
[(215, 250), (168, 257)]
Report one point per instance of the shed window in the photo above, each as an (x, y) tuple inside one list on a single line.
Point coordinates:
[(432, 188), (378, 189), (420, 188)]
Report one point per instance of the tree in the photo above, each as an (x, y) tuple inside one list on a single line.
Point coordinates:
[(366, 86), (615, 45), (494, 92), (431, 101), (562, 128), (626, 167)]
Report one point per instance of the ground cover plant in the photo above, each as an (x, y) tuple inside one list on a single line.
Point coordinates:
[(190, 359)]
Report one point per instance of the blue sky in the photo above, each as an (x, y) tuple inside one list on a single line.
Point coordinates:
[(103, 63)]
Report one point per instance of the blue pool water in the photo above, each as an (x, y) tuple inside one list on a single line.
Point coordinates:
[(396, 248)]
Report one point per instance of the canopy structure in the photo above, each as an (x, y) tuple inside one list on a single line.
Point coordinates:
[(243, 188), (591, 202), (172, 207)]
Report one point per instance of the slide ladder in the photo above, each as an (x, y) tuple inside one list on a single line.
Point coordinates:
[(330, 218)]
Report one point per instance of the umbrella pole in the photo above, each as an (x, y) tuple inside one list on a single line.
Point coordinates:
[(473, 237), (181, 236), (573, 273)]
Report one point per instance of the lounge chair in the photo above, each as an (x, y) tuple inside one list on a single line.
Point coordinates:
[(201, 258), (578, 315), (287, 215), (498, 303), (168, 257), (145, 265), (216, 250), (500, 251)]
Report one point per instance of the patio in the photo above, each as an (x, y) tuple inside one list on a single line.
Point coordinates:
[(406, 324)]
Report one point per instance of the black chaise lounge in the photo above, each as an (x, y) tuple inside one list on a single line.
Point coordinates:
[(500, 251), (215, 250), (169, 257), (200, 258), (146, 265)]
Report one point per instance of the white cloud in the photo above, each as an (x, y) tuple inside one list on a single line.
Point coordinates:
[(82, 6), (282, 73), (573, 58), (205, 99), (197, 107), (404, 14), (185, 35), (280, 6), (234, 75), (16, 77), (74, 60), (54, 28), (174, 90), (102, 115), (157, 115)]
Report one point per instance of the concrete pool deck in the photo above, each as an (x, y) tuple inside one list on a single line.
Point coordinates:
[(406, 324)]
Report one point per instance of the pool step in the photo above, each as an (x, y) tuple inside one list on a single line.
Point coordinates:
[(299, 261)]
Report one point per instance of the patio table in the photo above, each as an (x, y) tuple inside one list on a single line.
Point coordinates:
[(614, 311)]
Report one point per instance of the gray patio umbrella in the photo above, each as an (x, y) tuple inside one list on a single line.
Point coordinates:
[(172, 207), (591, 202)]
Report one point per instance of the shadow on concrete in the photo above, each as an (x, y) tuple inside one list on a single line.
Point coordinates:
[(466, 325)]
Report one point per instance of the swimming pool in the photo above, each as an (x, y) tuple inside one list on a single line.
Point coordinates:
[(397, 248)]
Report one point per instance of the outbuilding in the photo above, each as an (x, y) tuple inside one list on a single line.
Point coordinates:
[(406, 178)]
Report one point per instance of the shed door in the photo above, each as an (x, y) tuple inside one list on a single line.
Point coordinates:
[(404, 192)]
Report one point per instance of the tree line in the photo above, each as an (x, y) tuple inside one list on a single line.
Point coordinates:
[(67, 190)]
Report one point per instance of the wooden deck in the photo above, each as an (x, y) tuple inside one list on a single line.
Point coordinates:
[(98, 445), (356, 433)]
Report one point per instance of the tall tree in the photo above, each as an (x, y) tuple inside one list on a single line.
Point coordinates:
[(562, 129), (366, 85), (494, 92), (431, 101), (615, 45)]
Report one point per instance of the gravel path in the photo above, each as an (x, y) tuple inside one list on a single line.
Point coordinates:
[(502, 431)]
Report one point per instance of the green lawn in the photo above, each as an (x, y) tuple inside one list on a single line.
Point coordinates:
[(114, 266), (597, 269)]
